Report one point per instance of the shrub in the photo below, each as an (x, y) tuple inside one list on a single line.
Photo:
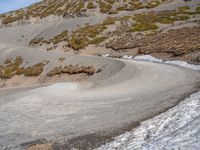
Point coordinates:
[(36, 41), (70, 69), (55, 71), (10, 68), (63, 36), (91, 5), (198, 9), (144, 27), (61, 59), (35, 70), (97, 40), (104, 7), (78, 42)]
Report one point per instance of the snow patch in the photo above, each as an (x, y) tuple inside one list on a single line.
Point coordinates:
[(147, 58), (178, 128), (127, 57), (184, 64), (106, 55), (174, 62)]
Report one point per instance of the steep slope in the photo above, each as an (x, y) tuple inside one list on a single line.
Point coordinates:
[(74, 8), (41, 104), (122, 27)]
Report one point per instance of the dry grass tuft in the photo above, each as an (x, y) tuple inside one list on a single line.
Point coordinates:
[(70, 69), (13, 67)]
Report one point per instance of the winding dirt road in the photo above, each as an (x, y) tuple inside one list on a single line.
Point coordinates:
[(63, 110)]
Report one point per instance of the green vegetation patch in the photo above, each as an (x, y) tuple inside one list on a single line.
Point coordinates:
[(63, 36), (143, 26), (60, 37), (198, 9), (35, 70), (147, 21), (91, 5), (105, 7), (11, 67), (184, 9), (36, 41), (97, 40), (88, 35), (77, 42), (46, 8), (80, 38)]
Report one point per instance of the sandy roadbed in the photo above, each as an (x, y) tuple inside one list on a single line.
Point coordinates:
[(60, 111)]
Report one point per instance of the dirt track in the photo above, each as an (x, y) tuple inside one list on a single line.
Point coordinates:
[(125, 92)]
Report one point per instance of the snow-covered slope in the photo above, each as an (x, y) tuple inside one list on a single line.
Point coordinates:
[(178, 128)]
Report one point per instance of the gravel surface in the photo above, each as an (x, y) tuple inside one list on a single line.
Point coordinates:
[(127, 91)]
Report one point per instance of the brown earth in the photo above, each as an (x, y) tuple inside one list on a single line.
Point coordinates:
[(41, 147), (183, 44)]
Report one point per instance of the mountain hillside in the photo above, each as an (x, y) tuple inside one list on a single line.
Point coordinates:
[(58, 93), (122, 27), (73, 8)]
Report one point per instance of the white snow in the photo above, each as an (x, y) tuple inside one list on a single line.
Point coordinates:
[(174, 62), (178, 128), (184, 64), (127, 57), (106, 55), (147, 58)]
